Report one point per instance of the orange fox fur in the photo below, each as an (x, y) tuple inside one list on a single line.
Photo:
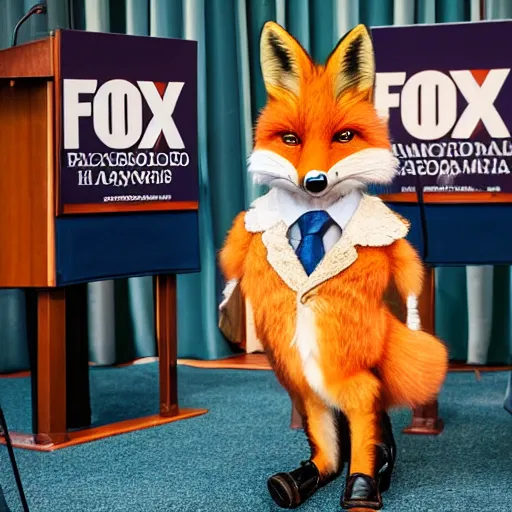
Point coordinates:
[(355, 331)]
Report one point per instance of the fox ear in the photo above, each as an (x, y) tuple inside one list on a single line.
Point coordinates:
[(283, 60), (352, 63)]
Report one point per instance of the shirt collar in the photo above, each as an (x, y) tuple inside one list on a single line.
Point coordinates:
[(291, 207)]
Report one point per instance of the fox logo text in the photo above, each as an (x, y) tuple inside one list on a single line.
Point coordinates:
[(116, 108), (428, 102)]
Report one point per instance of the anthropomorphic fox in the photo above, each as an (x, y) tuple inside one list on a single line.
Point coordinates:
[(315, 256)]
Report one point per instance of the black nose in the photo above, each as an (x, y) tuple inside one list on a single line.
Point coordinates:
[(315, 181)]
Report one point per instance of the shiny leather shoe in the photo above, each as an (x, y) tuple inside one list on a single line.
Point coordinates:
[(364, 491), (385, 465), (289, 490), (361, 491), (386, 455)]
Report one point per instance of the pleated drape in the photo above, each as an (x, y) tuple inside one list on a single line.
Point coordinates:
[(231, 93)]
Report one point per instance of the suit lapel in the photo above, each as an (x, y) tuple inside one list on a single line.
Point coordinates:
[(282, 257), (373, 224), (285, 262), (340, 257)]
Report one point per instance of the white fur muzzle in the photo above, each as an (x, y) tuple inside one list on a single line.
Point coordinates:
[(269, 168), (372, 166)]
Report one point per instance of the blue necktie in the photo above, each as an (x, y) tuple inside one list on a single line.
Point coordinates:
[(313, 226)]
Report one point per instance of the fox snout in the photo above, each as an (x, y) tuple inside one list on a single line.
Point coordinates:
[(368, 166), (315, 182)]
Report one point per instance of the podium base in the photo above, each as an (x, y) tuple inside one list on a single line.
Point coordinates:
[(61, 408), (296, 421), (49, 443), (425, 421)]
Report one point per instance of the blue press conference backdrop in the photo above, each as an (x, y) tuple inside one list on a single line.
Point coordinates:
[(230, 95), (456, 136)]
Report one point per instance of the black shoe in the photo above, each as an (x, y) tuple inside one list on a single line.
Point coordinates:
[(343, 429), (385, 464), (386, 455), (364, 491), (361, 491), (289, 490)]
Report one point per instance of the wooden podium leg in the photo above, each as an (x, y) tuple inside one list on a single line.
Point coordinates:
[(51, 367), (167, 336), (296, 421), (53, 408), (50, 313), (425, 419), (77, 358)]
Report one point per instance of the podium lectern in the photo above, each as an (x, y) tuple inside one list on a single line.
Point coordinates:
[(445, 89), (98, 180)]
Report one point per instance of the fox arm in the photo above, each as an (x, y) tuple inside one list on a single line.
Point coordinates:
[(408, 273), (233, 253)]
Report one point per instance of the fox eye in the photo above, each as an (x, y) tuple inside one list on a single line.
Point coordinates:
[(344, 136), (290, 139)]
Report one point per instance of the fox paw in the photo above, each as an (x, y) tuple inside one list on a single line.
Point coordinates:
[(414, 324), (413, 316), (227, 293)]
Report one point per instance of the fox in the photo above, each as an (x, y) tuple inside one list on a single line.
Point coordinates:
[(315, 255)]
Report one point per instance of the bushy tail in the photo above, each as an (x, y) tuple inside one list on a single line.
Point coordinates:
[(413, 367)]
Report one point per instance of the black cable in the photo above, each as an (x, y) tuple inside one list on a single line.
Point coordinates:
[(423, 216), (71, 14), (36, 9), (4, 432)]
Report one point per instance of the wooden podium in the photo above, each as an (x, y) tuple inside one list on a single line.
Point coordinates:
[(98, 180), (453, 139)]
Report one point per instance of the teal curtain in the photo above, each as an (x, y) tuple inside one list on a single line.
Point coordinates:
[(231, 93)]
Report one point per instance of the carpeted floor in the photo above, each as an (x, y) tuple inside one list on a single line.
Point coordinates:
[(220, 461)]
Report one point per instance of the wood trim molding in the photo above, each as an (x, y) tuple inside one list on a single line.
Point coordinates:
[(130, 207), (27, 60), (449, 197)]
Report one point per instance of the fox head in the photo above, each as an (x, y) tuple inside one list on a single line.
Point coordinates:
[(319, 134)]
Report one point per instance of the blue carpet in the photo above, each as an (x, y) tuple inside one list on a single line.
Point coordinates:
[(220, 461)]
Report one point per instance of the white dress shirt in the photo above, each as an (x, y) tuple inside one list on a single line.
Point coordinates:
[(291, 208)]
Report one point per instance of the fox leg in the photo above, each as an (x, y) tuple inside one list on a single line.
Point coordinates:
[(359, 398), (327, 436)]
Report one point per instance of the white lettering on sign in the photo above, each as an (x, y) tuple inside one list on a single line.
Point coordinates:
[(117, 114), (74, 109), (428, 102), (121, 159), (445, 163), (435, 112), (116, 109), (480, 103), (162, 109)]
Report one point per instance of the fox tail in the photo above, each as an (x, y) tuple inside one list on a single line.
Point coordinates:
[(413, 367)]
